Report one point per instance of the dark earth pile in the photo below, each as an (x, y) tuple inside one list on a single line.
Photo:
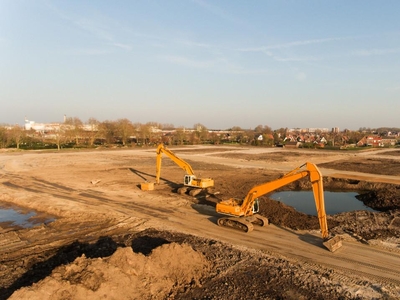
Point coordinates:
[(242, 274)]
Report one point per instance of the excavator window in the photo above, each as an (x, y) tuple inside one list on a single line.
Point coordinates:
[(256, 206), (187, 179)]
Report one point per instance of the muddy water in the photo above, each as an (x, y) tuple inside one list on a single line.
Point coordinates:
[(22, 218), (335, 202)]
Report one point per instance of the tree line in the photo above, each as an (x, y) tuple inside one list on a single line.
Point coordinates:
[(73, 133)]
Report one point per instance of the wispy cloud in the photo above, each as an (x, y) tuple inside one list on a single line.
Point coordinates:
[(184, 61), (87, 51), (122, 46), (293, 44), (296, 59), (195, 44), (218, 65), (292, 59), (373, 52), (215, 10), (361, 52), (99, 30)]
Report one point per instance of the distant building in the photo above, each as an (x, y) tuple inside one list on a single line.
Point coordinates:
[(371, 141), (41, 127), (52, 127), (308, 130), (389, 141)]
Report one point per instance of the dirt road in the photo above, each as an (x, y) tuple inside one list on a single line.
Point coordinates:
[(94, 194)]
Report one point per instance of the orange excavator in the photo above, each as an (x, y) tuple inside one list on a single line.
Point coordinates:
[(189, 180), (242, 214)]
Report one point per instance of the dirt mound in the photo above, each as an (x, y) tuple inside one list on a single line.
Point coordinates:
[(281, 214), (182, 266), (124, 274), (382, 199)]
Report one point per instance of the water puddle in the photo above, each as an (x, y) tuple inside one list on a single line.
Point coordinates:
[(17, 217), (335, 202)]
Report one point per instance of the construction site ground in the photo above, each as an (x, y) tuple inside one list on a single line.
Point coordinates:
[(97, 235)]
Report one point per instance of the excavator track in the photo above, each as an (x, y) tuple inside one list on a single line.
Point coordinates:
[(258, 220), (236, 223)]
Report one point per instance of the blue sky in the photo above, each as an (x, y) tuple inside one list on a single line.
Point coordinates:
[(219, 63)]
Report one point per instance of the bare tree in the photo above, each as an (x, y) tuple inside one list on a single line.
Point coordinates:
[(136, 130), (237, 134), (16, 135), (3, 137), (153, 132), (258, 129), (215, 138), (200, 133), (107, 130), (93, 132), (74, 127), (251, 136), (124, 129), (60, 135), (354, 136), (167, 126), (154, 125), (145, 133), (180, 135)]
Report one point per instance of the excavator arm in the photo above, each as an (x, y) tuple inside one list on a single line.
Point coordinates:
[(190, 178), (180, 162), (242, 211)]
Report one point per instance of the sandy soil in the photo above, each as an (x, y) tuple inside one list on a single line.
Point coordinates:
[(112, 240)]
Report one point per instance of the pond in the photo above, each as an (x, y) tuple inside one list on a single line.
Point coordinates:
[(335, 202)]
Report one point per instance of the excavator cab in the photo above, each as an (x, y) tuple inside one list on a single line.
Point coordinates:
[(187, 180)]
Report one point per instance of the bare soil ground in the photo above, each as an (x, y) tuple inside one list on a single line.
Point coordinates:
[(112, 240)]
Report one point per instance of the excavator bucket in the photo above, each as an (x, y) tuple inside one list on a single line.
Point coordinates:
[(333, 244)]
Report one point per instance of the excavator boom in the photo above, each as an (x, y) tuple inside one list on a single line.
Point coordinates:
[(242, 212), (190, 178)]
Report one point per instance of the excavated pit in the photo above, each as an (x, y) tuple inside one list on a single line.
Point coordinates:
[(104, 262), (382, 197), (219, 258)]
